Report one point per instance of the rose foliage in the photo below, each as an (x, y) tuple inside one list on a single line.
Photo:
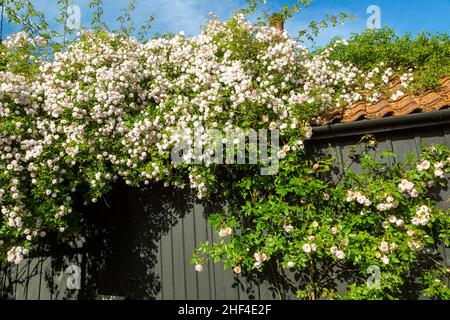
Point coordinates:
[(110, 107)]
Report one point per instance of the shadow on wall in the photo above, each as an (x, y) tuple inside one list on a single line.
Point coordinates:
[(123, 234), (118, 258)]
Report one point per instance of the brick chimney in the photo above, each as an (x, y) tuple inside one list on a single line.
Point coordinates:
[(277, 21)]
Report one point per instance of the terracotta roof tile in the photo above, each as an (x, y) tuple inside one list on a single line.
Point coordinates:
[(409, 103)]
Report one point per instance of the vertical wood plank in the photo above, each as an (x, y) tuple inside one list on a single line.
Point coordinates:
[(403, 144), (204, 279), (178, 261), (21, 280), (189, 247), (159, 271), (34, 279), (167, 266)]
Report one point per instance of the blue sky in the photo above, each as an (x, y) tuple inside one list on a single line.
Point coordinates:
[(188, 15)]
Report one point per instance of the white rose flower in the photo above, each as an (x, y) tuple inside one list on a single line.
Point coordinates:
[(288, 228), (198, 268), (260, 257), (225, 232), (281, 154), (361, 199), (340, 254), (438, 173), (291, 264), (384, 246), (424, 165), (439, 165), (306, 248)]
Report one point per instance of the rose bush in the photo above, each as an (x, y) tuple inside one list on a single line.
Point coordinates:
[(111, 107), (309, 232)]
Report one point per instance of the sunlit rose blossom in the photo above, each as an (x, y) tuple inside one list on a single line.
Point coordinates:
[(286, 148), (384, 246), (439, 165), (281, 154), (438, 173), (260, 257), (198, 268), (225, 232), (291, 264), (405, 185), (424, 165), (288, 228), (306, 248), (339, 254)]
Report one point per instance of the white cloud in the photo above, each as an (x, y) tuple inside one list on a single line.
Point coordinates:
[(186, 15)]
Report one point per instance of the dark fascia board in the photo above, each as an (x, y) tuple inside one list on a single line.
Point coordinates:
[(409, 121)]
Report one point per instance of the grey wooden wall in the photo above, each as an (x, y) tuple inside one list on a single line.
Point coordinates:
[(143, 250)]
